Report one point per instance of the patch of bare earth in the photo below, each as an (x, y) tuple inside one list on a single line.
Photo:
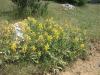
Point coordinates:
[(87, 67)]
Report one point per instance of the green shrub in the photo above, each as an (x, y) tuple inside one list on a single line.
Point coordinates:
[(47, 45), (75, 2), (31, 7)]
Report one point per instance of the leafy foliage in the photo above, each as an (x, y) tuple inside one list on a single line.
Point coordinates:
[(49, 45)]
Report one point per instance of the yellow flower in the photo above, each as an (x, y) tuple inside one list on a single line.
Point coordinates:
[(60, 28), (76, 39), (45, 33), (40, 26), (49, 19), (13, 47), (82, 45), (27, 37), (24, 48), (50, 27), (46, 47), (41, 38), (54, 30), (28, 18), (33, 33), (49, 37), (32, 19), (33, 48), (56, 33), (56, 36)]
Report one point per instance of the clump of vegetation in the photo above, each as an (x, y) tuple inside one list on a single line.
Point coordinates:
[(30, 7), (47, 45), (75, 2)]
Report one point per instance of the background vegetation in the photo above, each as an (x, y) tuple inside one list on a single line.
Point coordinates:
[(30, 7), (75, 2)]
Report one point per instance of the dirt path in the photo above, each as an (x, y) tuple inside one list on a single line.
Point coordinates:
[(87, 67)]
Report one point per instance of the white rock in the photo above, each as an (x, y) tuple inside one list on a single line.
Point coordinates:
[(68, 6), (18, 31)]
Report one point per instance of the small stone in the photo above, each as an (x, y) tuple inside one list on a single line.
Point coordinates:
[(99, 65), (78, 73)]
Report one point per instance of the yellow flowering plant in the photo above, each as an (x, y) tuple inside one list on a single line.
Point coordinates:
[(46, 42)]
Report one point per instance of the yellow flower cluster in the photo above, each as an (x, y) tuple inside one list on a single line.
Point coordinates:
[(33, 48), (38, 36), (46, 40), (13, 47), (41, 36), (82, 45), (46, 47)]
